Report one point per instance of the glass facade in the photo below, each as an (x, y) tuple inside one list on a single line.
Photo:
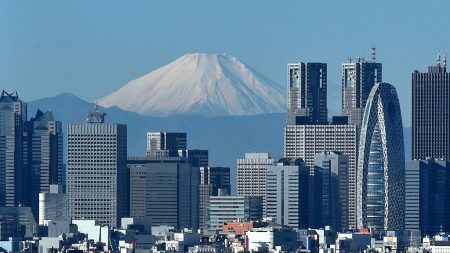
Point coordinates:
[(381, 162), (375, 183)]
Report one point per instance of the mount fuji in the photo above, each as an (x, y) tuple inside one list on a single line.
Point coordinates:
[(200, 84)]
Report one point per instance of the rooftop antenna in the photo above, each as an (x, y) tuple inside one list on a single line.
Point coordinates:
[(439, 59), (374, 54), (445, 60), (349, 60)]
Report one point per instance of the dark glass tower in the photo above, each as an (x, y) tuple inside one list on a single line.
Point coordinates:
[(332, 195), (214, 181), (164, 190), (427, 199), (358, 78), (13, 161), (307, 92), (165, 144), (431, 113), (45, 147)]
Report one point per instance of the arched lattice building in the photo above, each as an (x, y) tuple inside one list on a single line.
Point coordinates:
[(381, 162)]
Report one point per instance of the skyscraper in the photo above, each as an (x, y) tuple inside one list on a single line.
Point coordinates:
[(381, 162), (333, 202), (307, 92), (197, 157), (213, 180), (251, 175), (287, 193), (431, 113), (164, 190), (358, 78), (306, 141), (97, 170), (13, 161), (427, 196), (45, 156), (161, 144)]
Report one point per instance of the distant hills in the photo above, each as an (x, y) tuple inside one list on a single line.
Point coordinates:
[(227, 138)]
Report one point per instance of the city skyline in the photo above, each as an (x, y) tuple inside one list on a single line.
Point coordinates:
[(51, 56), (291, 148)]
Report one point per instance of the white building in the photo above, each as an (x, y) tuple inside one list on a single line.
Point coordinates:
[(251, 175), (179, 241), (52, 204), (270, 237), (97, 170), (47, 243), (287, 192), (94, 232)]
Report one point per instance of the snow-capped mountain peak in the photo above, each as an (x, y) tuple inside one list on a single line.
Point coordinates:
[(199, 83)]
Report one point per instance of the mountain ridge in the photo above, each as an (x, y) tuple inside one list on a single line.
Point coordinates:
[(226, 137)]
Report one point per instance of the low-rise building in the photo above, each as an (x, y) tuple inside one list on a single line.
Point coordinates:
[(353, 242), (268, 238), (221, 209), (52, 204), (94, 232), (237, 227)]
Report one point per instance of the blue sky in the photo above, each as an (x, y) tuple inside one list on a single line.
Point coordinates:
[(91, 48)]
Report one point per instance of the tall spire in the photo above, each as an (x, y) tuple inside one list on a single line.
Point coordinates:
[(445, 60), (439, 59)]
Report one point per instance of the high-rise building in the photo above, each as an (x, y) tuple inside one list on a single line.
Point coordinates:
[(221, 209), (381, 162), (45, 156), (97, 170), (13, 159), (197, 157), (213, 181), (431, 113), (358, 78), (287, 193), (427, 196), (307, 92), (306, 141), (416, 174), (251, 175), (333, 188), (163, 144), (164, 190)]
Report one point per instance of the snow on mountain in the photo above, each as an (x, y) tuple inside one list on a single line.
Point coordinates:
[(202, 84)]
